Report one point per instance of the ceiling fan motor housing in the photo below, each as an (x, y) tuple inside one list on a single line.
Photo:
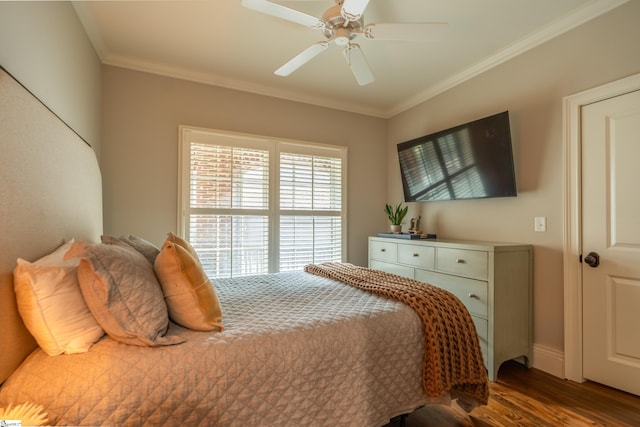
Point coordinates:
[(336, 27)]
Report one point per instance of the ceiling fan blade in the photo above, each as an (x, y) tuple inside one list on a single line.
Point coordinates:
[(358, 63), (420, 32), (352, 10), (302, 58), (283, 12)]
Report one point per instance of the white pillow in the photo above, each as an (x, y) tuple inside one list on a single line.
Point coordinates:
[(51, 304)]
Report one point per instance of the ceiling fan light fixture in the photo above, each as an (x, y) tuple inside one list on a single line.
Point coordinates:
[(342, 37)]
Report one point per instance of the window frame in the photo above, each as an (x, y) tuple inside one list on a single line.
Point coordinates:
[(275, 146)]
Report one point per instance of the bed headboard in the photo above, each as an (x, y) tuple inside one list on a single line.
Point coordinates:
[(50, 191)]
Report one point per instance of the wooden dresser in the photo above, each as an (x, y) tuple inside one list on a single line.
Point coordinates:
[(493, 280)]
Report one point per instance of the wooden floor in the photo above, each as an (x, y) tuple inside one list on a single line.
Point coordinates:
[(529, 397)]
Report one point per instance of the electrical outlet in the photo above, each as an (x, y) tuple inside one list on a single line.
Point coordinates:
[(540, 224)]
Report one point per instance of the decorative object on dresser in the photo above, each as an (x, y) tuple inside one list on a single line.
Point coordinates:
[(410, 236), (415, 226), (396, 215), (493, 280)]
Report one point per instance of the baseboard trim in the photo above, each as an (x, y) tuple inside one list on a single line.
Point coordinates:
[(548, 360)]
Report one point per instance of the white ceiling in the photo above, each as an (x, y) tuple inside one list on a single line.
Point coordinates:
[(221, 43)]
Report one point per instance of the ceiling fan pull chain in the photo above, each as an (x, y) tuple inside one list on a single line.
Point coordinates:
[(347, 54)]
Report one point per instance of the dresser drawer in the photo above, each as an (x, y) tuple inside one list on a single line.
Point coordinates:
[(483, 335), (463, 262), (472, 293), (383, 251), (416, 255), (400, 270)]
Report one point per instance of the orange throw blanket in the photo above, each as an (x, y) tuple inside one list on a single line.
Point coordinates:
[(453, 359)]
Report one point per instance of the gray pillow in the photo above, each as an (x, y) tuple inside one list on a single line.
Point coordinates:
[(148, 249), (123, 293)]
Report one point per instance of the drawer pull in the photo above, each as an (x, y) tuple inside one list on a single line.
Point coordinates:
[(383, 250), (460, 261), (416, 255), (473, 296)]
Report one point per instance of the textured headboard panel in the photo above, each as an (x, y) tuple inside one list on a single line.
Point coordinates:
[(50, 191)]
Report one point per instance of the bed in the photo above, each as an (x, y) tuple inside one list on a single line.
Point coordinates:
[(295, 348)]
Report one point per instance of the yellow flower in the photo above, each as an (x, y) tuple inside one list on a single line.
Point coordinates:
[(28, 413)]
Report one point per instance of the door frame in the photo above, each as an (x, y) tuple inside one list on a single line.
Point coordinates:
[(571, 110)]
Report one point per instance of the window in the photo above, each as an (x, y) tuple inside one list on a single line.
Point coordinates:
[(252, 205)]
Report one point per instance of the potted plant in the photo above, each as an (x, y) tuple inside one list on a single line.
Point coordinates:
[(396, 215)]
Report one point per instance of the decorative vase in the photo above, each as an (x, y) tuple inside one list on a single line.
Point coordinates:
[(396, 229)]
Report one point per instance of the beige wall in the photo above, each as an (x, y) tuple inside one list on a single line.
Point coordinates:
[(531, 87), (43, 45), (142, 113)]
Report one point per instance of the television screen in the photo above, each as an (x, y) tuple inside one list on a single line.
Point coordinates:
[(469, 161)]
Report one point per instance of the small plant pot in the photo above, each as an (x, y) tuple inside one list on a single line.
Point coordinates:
[(396, 229)]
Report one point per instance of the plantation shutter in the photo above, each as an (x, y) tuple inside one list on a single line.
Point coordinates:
[(311, 204), (249, 205), (229, 201)]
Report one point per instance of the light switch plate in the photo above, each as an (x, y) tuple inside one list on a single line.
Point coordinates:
[(540, 224)]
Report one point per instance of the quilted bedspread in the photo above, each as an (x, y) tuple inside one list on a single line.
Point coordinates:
[(297, 350), (452, 358)]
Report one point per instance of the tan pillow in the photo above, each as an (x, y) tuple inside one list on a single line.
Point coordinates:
[(51, 304), (189, 294), (123, 294), (183, 243)]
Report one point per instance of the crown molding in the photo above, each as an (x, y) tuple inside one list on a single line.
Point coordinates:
[(590, 11), (553, 30), (240, 85)]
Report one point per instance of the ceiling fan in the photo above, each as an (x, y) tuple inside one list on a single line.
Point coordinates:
[(340, 24)]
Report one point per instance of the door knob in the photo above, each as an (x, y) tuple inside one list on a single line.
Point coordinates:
[(592, 259)]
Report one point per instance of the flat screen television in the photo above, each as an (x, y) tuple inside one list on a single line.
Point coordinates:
[(469, 161)]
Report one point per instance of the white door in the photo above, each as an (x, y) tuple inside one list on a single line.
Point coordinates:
[(611, 229)]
